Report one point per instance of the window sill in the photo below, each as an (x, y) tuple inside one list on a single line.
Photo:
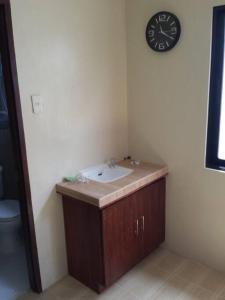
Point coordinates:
[(215, 168)]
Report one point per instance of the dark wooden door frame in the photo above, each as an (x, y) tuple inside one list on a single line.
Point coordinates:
[(16, 123)]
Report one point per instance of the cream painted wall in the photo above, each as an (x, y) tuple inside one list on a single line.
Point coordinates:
[(72, 53), (168, 98)]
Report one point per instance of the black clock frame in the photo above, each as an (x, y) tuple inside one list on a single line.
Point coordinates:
[(178, 25)]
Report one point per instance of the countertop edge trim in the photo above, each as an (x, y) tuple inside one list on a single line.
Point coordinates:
[(105, 201)]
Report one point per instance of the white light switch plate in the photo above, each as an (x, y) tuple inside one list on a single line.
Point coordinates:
[(37, 104)]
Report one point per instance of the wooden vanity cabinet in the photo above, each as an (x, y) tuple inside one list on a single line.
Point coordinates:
[(152, 212), (103, 244)]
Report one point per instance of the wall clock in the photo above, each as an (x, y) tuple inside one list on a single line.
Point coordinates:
[(163, 31)]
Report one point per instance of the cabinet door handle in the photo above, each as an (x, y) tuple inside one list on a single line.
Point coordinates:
[(137, 227), (143, 223)]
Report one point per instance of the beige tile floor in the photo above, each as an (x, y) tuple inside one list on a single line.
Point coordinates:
[(161, 276)]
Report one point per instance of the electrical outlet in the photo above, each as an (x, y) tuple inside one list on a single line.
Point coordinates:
[(37, 104)]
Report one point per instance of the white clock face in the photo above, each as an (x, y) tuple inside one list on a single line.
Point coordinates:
[(163, 31)]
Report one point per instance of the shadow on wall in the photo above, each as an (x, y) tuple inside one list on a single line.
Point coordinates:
[(145, 152), (50, 226)]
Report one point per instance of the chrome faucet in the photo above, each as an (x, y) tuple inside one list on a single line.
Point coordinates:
[(111, 163)]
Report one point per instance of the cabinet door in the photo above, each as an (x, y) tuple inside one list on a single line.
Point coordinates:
[(152, 216), (84, 241), (120, 231)]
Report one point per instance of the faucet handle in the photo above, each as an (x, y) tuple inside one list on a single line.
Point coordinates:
[(112, 163), (135, 162)]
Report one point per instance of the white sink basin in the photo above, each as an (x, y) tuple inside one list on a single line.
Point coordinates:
[(103, 173)]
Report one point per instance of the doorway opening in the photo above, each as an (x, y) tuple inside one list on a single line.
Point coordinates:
[(19, 266)]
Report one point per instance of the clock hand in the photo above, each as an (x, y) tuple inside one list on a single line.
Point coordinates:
[(164, 33), (169, 30), (167, 35)]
